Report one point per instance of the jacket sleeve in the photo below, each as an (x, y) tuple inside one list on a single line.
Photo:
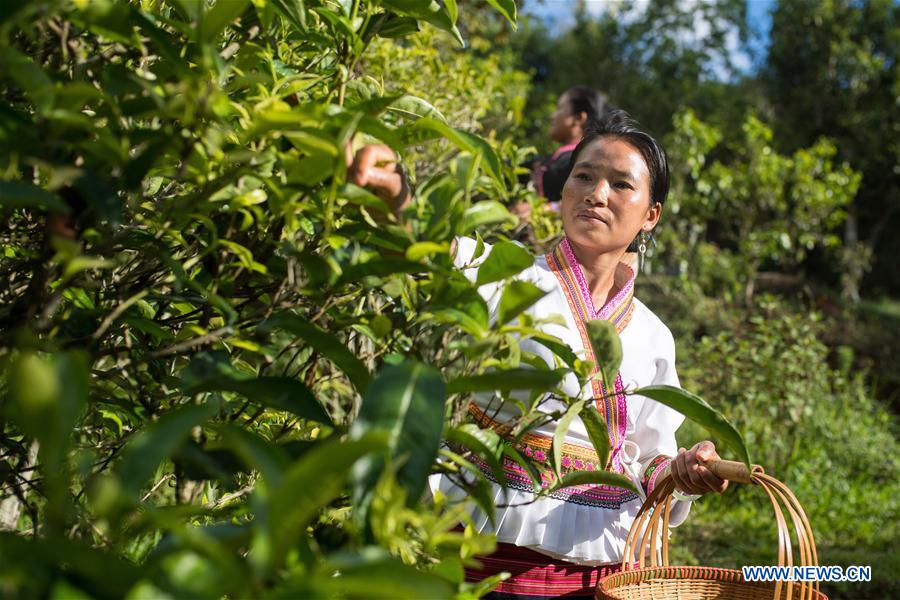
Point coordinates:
[(655, 426)]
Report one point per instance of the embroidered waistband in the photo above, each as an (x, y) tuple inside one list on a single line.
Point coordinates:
[(538, 447)]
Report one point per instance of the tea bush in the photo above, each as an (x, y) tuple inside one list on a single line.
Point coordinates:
[(814, 426), (225, 371)]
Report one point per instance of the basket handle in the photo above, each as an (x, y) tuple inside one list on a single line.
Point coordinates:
[(649, 532), (733, 470)]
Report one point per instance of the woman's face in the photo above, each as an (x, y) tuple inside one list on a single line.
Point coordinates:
[(562, 122), (606, 199)]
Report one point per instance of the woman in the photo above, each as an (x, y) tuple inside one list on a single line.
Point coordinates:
[(615, 187), (574, 108)]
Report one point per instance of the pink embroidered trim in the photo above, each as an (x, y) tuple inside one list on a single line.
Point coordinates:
[(608, 311), (624, 292), (615, 302), (579, 278), (654, 469), (615, 457)]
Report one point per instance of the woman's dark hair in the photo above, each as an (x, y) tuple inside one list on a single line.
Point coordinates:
[(583, 99), (618, 124)]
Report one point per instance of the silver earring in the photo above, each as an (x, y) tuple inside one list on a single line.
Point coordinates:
[(642, 250)]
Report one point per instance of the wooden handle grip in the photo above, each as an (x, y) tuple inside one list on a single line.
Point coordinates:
[(733, 470)]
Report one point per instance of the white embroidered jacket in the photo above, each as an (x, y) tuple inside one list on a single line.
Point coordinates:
[(584, 524)]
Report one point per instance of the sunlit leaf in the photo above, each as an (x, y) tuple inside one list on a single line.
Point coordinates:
[(560, 433), (485, 443), (517, 297), (505, 260), (598, 432), (468, 142), (506, 380), (429, 11), (420, 250), (406, 402), (607, 349), (507, 8), (593, 478), (413, 106), (696, 409)]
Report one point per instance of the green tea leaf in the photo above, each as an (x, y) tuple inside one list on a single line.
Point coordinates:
[(507, 8), (505, 260), (506, 380), (481, 493), (380, 268), (292, 10), (373, 573), (420, 250), (463, 140), (517, 297), (413, 106), (396, 26), (280, 393), (221, 15), (310, 484), (593, 478), (598, 432), (485, 443), (529, 467), (406, 402), (325, 343), (486, 212), (607, 350), (429, 11), (560, 433), (556, 346), (696, 409), (159, 440), (256, 452)]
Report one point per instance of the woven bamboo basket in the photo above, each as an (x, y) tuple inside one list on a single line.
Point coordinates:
[(652, 578)]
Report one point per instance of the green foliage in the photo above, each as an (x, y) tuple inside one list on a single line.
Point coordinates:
[(224, 371), (646, 58), (223, 368), (696, 409), (205, 329), (750, 208), (833, 70), (812, 426)]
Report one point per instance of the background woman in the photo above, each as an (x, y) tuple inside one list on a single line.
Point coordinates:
[(574, 108)]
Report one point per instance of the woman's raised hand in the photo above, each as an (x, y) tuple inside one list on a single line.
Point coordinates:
[(690, 476), (375, 167)]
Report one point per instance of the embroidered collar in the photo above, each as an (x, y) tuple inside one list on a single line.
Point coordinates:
[(612, 404), (617, 309)]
